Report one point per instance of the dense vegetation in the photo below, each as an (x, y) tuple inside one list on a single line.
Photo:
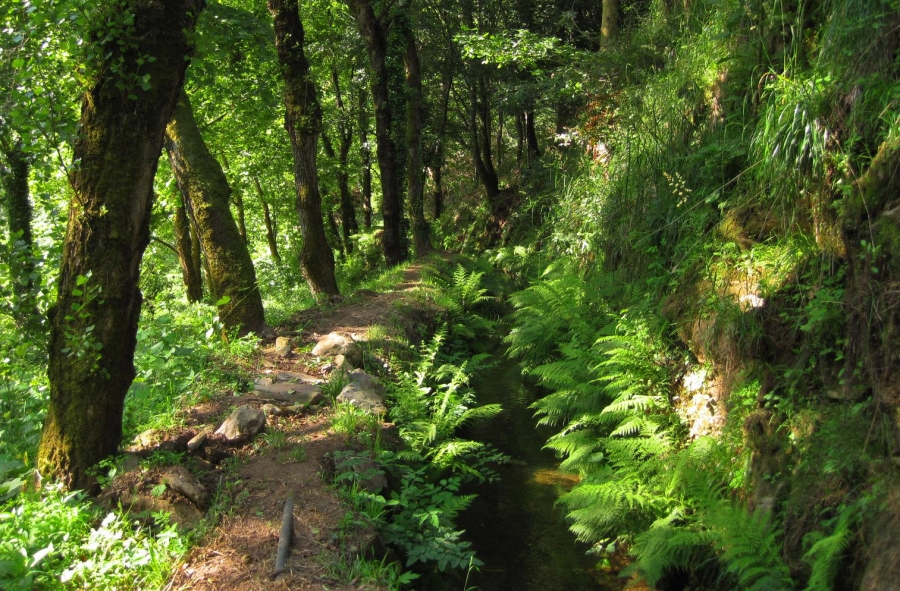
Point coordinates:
[(697, 200)]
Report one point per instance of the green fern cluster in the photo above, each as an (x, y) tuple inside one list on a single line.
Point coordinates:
[(462, 296), (641, 483), (431, 403)]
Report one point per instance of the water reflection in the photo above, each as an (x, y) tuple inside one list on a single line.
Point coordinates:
[(514, 525)]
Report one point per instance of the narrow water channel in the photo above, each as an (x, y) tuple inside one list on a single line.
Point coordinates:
[(514, 526)]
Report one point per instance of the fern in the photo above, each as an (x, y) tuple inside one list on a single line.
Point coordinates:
[(827, 551)]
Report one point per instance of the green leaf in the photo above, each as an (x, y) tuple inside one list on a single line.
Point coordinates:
[(223, 300)]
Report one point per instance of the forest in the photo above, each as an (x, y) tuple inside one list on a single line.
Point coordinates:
[(660, 235)]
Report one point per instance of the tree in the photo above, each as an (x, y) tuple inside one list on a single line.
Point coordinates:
[(374, 30), (14, 167), (93, 326), (206, 193), (415, 170), (187, 246), (609, 28), (303, 120)]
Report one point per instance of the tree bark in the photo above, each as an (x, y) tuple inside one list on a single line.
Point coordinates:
[(206, 197), (374, 34), (415, 170), (93, 326), (188, 255), (609, 25), (483, 165), (241, 218), (303, 120), (531, 141), (17, 205), (238, 205), (271, 232), (348, 215), (345, 133), (366, 153)]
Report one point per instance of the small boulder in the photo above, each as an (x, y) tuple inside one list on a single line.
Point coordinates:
[(284, 346), (271, 410), (366, 381), (334, 344), (244, 422), (365, 392), (182, 481)]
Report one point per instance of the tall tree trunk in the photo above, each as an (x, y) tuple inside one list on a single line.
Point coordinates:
[(437, 177), (241, 218), (271, 233), (609, 25), (206, 196), (238, 205), (190, 262), (483, 165), (93, 326), (348, 215), (531, 141), (303, 120), (366, 152), (345, 132), (14, 169), (415, 170), (374, 34), (520, 138)]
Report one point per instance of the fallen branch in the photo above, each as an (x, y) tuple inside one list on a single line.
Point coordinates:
[(284, 541)]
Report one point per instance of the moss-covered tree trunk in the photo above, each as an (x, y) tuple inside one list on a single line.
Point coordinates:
[(93, 325), (374, 33), (415, 171), (188, 248), (206, 196), (303, 120)]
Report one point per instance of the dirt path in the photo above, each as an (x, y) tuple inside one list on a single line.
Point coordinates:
[(290, 459)]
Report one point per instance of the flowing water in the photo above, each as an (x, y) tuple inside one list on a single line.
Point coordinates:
[(513, 524)]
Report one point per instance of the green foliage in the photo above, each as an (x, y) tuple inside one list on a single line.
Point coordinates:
[(53, 540), (173, 358), (462, 296), (432, 401), (423, 524)]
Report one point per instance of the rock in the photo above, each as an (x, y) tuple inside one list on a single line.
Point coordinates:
[(196, 441), (271, 410), (300, 378), (244, 422), (182, 481), (289, 392), (284, 346), (130, 462), (366, 381), (148, 438), (334, 344), (341, 363), (296, 409), (364, 392)]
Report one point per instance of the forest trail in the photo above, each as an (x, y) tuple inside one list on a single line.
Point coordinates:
[(240, 552)]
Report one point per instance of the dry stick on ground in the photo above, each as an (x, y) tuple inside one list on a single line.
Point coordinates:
[(284, 541)]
